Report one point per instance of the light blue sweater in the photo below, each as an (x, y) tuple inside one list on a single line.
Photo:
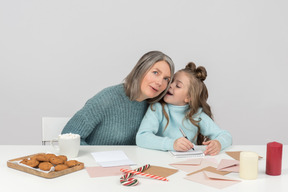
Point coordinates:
[(108, 118), (151, 133)]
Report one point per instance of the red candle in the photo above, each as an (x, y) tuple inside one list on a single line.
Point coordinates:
[(273, 158)]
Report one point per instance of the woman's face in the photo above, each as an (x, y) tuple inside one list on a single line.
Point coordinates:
[(155, 81), (178, 91)]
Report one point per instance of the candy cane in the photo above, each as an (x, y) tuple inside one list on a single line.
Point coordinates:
[(126, 179), (144, 174)]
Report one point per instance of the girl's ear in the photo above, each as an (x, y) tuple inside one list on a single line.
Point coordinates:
[(187, 100)]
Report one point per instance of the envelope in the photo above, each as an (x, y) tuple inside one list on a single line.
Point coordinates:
[(193, 166), (236, 155), (160, 171), (210, 169), (105, 171), (228, 165), (212, 179), (196, 161)]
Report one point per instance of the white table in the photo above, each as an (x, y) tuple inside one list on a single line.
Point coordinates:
[(14, 180)]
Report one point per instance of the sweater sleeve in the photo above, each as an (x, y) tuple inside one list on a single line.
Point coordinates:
[(209, 128), (85, 120), (147, 136)]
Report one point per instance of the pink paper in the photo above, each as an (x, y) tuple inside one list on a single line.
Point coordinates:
[(212, 179), (193, 167), (228, 165), (105, 171)]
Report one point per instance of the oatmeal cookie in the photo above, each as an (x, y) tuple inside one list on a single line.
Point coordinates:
[(45, 166), (61, 167), (56, 160), (72, 163)]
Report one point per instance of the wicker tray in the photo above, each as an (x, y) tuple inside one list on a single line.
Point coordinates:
[(13, 164)]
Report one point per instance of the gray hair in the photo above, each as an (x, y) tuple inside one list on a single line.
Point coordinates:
[(132, 82)]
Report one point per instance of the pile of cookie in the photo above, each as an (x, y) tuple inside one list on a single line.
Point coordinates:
[(46, 161)]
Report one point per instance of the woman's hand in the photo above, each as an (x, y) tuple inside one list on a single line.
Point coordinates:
[(213, 147), (182, 144)]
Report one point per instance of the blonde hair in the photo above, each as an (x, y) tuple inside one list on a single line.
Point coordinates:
[(132, 82)]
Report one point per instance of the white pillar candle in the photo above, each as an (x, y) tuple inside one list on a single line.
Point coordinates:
[(248, 165)]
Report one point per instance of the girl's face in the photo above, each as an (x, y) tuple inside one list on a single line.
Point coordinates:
[(155, 81), (178, 92)]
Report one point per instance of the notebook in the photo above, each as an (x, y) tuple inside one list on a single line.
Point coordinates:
[(187, 154)]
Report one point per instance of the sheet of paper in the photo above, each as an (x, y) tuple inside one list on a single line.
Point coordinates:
[(212, 179), (112, 158), (105, 171)]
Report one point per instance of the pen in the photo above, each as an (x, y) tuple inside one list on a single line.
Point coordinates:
[(184, 135)]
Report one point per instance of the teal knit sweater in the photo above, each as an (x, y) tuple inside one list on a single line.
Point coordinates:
[(108, 118)]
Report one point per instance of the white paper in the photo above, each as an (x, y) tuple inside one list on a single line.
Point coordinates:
[(189, 153), (112, 158)]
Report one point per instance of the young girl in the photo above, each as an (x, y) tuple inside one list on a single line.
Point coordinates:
[(185, 106)]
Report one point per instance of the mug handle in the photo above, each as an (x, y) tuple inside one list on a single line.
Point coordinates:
[(56, 147)]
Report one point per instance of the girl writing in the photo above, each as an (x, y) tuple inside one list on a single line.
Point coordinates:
[(185, 106)]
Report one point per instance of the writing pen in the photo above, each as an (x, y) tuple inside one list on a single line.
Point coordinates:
[(184, 135)]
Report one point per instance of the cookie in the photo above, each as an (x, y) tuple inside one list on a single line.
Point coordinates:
[(49, 155), (40, 157), (24, 161), (45, 166), (56, 160), (30, 162), (63, 157), (72, 163), (61, 167)]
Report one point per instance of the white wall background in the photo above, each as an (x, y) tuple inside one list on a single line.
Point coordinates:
[(56, 54)]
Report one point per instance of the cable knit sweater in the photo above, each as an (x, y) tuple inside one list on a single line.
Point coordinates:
[(108, 118), (152, 135)]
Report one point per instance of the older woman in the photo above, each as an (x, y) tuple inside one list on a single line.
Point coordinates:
[(113, 116)]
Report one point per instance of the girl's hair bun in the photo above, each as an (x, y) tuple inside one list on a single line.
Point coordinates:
[(200, 71), (191, 66)]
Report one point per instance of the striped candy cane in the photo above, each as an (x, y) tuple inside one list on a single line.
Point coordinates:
[(127, 179), (144, 174)]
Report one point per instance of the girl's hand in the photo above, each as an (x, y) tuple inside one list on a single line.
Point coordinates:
[(182, 144), (213, 147)]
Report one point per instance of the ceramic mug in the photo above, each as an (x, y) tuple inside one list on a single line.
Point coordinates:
[(68, 144)]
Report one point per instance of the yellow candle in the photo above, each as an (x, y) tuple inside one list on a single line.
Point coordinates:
[(248, 165)]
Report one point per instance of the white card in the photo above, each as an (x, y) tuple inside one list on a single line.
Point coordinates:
[(112, 158)]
